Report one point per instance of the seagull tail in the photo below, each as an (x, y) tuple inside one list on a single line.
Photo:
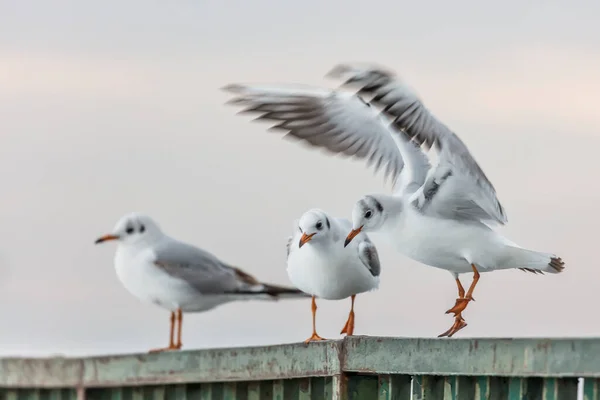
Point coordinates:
[(253, 289), (536, 262), (282, 292)]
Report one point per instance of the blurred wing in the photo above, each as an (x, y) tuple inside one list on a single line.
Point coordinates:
[(202, 270), (417, 166), (408, 114), (336, 121)]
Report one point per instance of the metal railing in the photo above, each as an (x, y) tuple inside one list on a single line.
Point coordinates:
[(369, 368)]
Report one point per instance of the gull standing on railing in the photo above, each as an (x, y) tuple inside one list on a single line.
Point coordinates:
[(180, 277), (319, 264)]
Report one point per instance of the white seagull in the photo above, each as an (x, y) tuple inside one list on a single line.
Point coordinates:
[(177, 276), (319, 264), (441, 216)]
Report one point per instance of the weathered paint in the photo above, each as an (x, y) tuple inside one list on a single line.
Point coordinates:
[(357, 368), (500, 357)]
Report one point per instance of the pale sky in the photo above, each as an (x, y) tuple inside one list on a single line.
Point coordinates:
[(111, 107)]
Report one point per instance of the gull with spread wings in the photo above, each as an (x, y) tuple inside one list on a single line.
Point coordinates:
[(180, 277), (442, 216)]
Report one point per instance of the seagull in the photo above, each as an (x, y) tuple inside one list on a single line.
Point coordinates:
[(319, 264), (443, 216), (180, 277)]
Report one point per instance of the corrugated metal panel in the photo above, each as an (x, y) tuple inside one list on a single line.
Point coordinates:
[(488, 388), (591, 389), (282, 389), (38, 394), (358, 387)]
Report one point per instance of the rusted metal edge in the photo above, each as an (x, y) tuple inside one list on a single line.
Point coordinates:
[(530, 357), (296, 360), (377, 355)]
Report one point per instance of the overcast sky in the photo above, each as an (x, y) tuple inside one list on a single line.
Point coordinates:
[(111, 107)]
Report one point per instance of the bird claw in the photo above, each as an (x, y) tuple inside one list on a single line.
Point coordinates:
[(459, 323), (314, 338), (169, 348)]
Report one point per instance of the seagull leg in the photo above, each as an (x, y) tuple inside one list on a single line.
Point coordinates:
[(461, 304), (171, 337), (179, 324), (463, 300), (349, 327), (314, 337)]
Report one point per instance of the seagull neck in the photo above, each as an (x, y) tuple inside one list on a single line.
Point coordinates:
[(393, 209), (392, 205)]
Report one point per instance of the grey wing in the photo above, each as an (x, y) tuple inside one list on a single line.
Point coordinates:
[(451, 196), (202, 270), (337, 121), (402, 105), (367, 252)]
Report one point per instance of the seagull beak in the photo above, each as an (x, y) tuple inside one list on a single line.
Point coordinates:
[(105, 238), (305, 239), (352, 235)]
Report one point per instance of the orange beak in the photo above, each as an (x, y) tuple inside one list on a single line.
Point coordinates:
[(105, 238), (305, 239), (352, 235)]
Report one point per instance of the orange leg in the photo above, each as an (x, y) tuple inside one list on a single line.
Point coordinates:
[(314, 337), (461, 303), (349, 327), (171, 338), (179, 328)]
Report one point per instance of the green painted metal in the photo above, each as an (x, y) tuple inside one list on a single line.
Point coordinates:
[(356, 368)]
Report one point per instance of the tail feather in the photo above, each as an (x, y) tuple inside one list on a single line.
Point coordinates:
[(252, 288), (536, 262), (284, 292)]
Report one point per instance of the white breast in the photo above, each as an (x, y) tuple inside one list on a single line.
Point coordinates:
[(329, 272)]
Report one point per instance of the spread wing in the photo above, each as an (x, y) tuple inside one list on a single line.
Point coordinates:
[(340, 122), (458, 188)]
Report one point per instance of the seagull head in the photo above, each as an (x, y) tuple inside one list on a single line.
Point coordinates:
[(314, 225), (131, 229), (368, 215)]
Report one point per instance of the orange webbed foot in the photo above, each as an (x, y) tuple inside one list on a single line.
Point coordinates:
[(169, 348), (459, 323), (314, 338), (348, 329)]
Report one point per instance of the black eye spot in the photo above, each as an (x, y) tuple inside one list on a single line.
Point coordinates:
[(319, 225), (129, 230), (368, 214), (142, 228)]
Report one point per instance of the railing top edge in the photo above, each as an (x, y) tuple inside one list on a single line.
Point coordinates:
[(546, 357)]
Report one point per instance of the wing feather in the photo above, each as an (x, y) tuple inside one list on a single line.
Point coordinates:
[(400, 103)]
